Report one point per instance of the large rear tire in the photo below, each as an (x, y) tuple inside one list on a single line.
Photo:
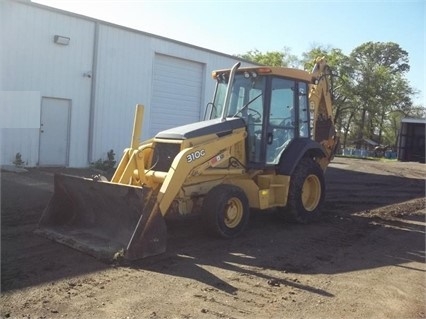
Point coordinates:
[(226, 211), (307, 191)]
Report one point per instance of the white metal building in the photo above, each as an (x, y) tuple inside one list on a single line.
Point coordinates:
[(69, 84)]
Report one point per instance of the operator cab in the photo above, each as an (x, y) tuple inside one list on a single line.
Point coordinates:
[(273, 105)]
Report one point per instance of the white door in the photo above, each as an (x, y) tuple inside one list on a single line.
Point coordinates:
[(54, 132), (176, 93)]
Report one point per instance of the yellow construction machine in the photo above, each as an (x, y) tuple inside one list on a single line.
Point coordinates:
[(266, 140)]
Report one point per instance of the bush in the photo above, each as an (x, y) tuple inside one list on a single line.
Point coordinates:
[(18, 162), (105, 165)]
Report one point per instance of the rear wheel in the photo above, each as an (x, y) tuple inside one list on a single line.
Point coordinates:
[(307, 191), (226, 211)]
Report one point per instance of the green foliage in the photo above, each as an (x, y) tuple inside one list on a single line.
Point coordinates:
[(18, 162), (308, 58), (105, 165), (378, 80), (272, 58)]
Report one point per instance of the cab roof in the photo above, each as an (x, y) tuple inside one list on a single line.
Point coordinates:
[(272, 70)]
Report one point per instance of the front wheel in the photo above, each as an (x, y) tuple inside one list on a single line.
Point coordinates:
[(226, 211), (306, 192)]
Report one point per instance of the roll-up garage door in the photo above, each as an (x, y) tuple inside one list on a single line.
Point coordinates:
[(176, 95)]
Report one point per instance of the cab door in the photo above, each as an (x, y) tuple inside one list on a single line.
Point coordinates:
[(288, 116), (282, 120)]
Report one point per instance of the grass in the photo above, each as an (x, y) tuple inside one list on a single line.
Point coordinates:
[(369, 158)]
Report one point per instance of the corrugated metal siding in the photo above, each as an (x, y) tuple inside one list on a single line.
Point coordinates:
[(122, 78), (33, 62), (19, 126)]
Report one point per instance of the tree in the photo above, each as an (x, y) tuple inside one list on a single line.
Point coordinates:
[(378, 70), (272, 58)]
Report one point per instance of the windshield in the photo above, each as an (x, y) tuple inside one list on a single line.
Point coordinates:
[(246, 96)]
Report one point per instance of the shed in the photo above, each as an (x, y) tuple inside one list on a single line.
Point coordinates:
[(411, 140), (366, 144)]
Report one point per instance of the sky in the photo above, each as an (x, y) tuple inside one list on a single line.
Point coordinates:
[(236, 27)]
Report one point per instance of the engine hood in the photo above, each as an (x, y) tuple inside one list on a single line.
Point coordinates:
[(215, 126)]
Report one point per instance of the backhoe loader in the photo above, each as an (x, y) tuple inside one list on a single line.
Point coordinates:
[(265, 142)]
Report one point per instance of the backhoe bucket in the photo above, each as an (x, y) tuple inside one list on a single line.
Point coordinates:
[(104, 219)]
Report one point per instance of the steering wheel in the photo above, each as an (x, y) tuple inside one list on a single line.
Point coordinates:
[(287, 121), (257, 117)]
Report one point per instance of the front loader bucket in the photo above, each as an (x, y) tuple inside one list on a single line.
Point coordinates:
[(104, 219)]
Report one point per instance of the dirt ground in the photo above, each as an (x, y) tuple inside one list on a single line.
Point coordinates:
[(364, 259)]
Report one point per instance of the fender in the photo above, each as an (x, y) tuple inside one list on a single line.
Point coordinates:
[(294, 152)]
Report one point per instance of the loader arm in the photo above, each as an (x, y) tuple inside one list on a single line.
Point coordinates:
[(181, 167)]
